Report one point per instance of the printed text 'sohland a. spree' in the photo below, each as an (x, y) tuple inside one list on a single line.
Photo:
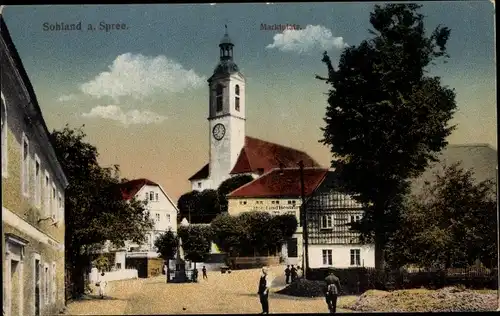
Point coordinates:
[(102, 26)]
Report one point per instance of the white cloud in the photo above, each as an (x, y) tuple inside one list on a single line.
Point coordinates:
[(139, 76), (311, 38), (132, 117), (68, 97)]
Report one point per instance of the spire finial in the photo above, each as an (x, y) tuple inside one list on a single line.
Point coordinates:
[(225, 26)]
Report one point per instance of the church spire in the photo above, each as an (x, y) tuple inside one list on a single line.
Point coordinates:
[(226, 47)]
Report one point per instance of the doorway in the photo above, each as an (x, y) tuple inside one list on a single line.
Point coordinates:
[(292, 248), (38, 282)]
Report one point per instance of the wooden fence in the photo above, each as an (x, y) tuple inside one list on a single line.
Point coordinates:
[(359, 280)]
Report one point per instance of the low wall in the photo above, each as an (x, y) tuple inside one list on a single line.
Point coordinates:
[(155, 267), (252, 262), (123, 274)]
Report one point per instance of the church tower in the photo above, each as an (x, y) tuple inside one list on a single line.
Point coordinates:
[(226, 114)]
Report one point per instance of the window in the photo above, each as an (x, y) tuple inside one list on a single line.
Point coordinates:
[(272, 202), (199, 185), (293, 202), (355, 257), (118, 265), (3, 141), (147, 196), (289, 202), (156, 196), (38, 181), (25, 165), (237, 98), (53, 198), (157, 217), (46, 189), (60, 206), (168, 218), (327, 257), (151, 196), (218, 97), (326, 221), (54, 285), (354, 218), (277, 202)]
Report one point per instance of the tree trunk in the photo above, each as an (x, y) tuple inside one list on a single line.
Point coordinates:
[(379, 250)]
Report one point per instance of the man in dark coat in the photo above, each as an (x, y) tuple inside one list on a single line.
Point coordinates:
[(332, 290), (293, 272), (287, 274), (204, 270), (264, 286)]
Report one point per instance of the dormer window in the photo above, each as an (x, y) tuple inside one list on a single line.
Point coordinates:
[(151, 196), (237, 98), (218, 97)]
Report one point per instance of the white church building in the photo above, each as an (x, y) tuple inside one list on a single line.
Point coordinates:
[(232, 152)]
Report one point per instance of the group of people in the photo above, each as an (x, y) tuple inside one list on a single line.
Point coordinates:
[(291, 272), (331, 290), (194, 275)]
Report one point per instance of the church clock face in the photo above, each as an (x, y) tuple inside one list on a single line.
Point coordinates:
[(219, 131)]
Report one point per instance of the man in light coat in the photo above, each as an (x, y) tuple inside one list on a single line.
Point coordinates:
[(102, 285)]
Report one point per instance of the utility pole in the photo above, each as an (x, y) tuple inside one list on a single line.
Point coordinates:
[(304, 220)]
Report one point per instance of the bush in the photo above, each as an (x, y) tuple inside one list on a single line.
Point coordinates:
[(304, 288)]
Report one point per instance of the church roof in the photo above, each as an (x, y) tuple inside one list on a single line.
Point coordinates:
[(282, 183), (260, 156), (129, 189)]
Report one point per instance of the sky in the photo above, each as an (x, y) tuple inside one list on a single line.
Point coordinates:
[(142, 94)]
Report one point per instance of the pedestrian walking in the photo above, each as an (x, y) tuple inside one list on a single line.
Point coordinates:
[(264, 286), (204, 270), (332, 290), (102, 284), (195, 275), (293, 272), (165, 269), (287, 274)]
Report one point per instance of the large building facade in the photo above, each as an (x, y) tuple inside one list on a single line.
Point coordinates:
[(232, 152), (33, 185), (162, 211), (331, 244)]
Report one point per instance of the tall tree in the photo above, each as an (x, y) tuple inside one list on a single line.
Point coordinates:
[(229, 186), (94, 208), (386, 120), (199, 207), (450, 223), (166, 244), (229, 233), (196, 242)]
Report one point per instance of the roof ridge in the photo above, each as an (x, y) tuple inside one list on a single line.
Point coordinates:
[(470, 145), (280, 145)]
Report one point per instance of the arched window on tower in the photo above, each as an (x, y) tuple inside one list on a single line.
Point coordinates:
[(218, 97), (237, 98)]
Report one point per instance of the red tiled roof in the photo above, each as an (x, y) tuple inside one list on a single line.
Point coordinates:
[(260, 154), (282, 183), (129, 189)]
